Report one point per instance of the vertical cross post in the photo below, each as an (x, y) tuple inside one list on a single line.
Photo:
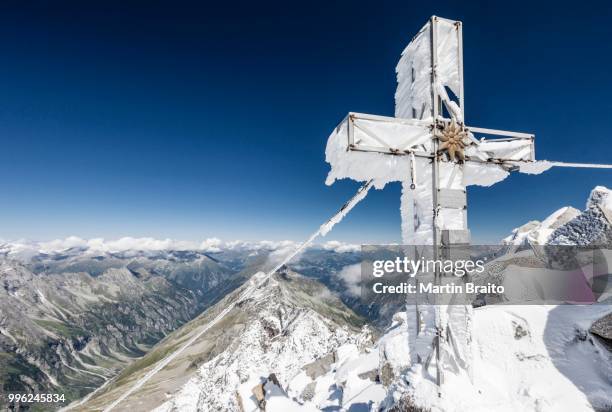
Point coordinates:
[(444, 198), (435, 111)]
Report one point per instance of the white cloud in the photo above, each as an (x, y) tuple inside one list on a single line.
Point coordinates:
[(147, 243), (351, 275), (62, 244), (212, 244), (340, 247), (278, 249)]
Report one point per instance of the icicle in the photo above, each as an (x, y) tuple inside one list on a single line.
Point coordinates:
[(453, 108), (412, 171)]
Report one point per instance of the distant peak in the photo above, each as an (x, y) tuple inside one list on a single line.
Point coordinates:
[(600, 196)]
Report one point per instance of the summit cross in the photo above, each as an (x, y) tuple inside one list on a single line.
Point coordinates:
[(429, 129)]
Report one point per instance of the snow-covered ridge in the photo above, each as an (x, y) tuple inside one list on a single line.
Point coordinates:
[(289, 327), (267, 345), (538, 233)]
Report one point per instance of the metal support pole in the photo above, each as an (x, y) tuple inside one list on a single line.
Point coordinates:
[(436, 110)]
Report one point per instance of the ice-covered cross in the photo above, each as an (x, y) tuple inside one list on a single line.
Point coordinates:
[(427, 146), (429, 149)]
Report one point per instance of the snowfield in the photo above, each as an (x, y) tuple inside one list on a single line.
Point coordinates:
[(527, 358)]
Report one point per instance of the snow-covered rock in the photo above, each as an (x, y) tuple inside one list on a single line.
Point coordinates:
[(603, 327), (600, 196), (591, 227), (520, 235), (291, 323), (568, 226), (528, 358), (538, 233)]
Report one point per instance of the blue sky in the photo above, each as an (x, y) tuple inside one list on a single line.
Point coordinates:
[(190, 120)]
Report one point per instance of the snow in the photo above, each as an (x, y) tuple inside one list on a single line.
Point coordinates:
[(362, 392), (519, 150), (414, 77), (362, 166), (284, 404), (553, 222), (520, 234), (592, 226), (535, 168), (601, 196), (547, 369), (484, 175), (356, 364), (540, 166), (255, 356), (448, 56), (413, 94), (342, 385), (496, 146), (607, 203), (539, 233), (541, 285), (416, 207), (550, 369), (393, 347), (391, 133), (337, 218)]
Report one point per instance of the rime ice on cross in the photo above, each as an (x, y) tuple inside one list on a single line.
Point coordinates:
[(428, 147)]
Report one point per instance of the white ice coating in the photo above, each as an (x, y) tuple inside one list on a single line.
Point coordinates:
[(520, 150), (450, 104), (448, 55), (540, 166), (362, 166), (389, 134), (417, 204), (348, 206), (413, 95), (535, 168)]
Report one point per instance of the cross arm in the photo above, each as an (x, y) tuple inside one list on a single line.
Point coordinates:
[(399, 136)]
